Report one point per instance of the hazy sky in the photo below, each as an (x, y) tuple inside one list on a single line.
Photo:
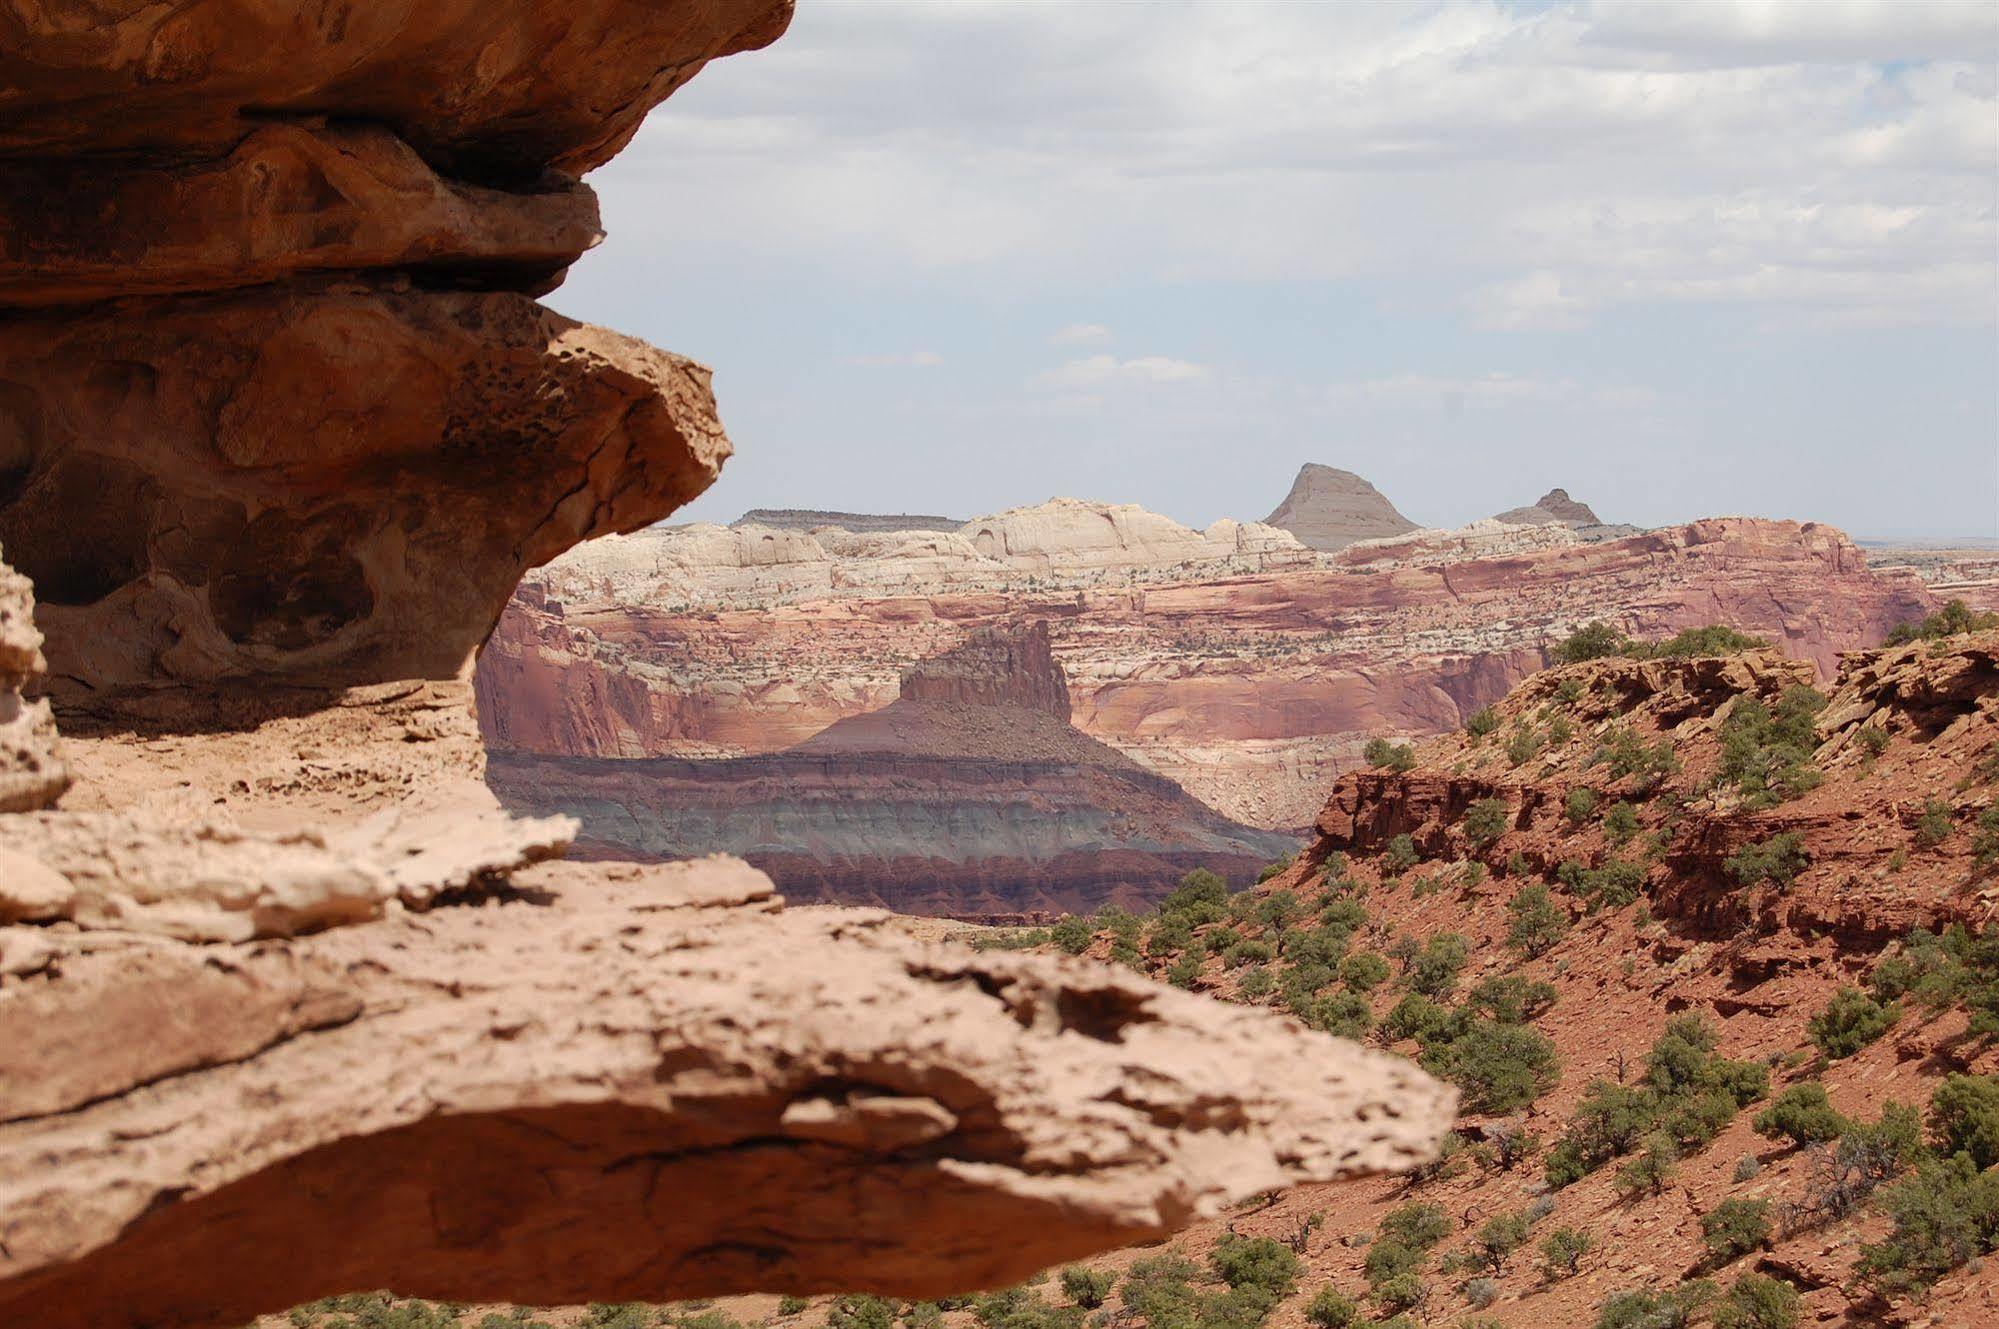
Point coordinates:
[(1682, 258)]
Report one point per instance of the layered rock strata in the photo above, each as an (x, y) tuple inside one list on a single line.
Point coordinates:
[(969, 795), (278, 404), (607, 1091), (1250, 689)]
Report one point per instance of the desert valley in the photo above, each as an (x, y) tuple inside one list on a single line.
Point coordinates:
[(442, 886)]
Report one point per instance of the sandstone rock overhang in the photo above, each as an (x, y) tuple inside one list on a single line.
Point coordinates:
[(606, 1090), (274, 404)]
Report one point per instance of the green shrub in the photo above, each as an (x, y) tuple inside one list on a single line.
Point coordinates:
[(1500, 1067), (1933, 826), (1401, 1293), (1569, 691), (1185, 971), (1954, 618), (1201, 897), (1511, 999), (1964, 1118), (1481, 722), (1247, 952), (1434, 970), (1256, 982), (1088, 1288), (1276, 867), (1344, 1014), (1261, 1271), (1985, 840), (1364, 971), (1647, 1309), (1384, 755), (1648, 764), (1648, 1173), (1389, 1259), (1400, 854), (1332, 1309), (1849, 1022), (1562, 1252), (1522, 745), (1734, 1228), (1757, 1301), (1159, 1290), (1538, 922), (1801, 1114), (1072, 934), (1487, 820), (1497, 1238), (788, 1305), (1766, 753), (1778, 859), (1592, 641), (1416, 1225), (1579, 805), (859, 1310), (1612, 886), (1620, 822), (1944, 1214), (1691, 643)]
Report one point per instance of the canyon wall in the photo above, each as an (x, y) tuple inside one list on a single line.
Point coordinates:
[(1250, 688), (969, 795)]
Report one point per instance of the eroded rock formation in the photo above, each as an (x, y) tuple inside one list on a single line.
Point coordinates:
[(1252, 689), (286, 1006), (1329, 509), (32, 773), (1553, 506), (611, 1092), (971, 795), (280, 408)]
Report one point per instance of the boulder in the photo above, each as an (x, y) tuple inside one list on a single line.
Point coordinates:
[(32, 772)]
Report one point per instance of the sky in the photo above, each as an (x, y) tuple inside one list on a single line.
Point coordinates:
[(1683, 259)]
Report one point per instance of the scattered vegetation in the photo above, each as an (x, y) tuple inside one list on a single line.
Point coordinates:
[(1777, 860), (1766, 753), (1954, 619), (1386, 756), (1849, 1022)]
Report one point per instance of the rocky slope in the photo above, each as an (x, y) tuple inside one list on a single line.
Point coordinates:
[(1893, 825), (1251, 681), (1329, 509), (969, 795)]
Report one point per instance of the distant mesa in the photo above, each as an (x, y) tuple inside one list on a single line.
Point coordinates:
[(970, 794), (811, 519), (1553, 507), (1329, 509)]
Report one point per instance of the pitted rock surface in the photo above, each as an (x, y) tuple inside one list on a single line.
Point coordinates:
[(646, 1084)]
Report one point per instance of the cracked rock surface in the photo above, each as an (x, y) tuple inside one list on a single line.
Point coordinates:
[(640, 1083)]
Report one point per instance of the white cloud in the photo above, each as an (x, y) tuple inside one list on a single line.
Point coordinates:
[(896, 360), (1096, 370), (1549, 165), (1079, 332)]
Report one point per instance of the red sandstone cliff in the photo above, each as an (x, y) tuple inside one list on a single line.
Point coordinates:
[(971, 794), (1250, 691)]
